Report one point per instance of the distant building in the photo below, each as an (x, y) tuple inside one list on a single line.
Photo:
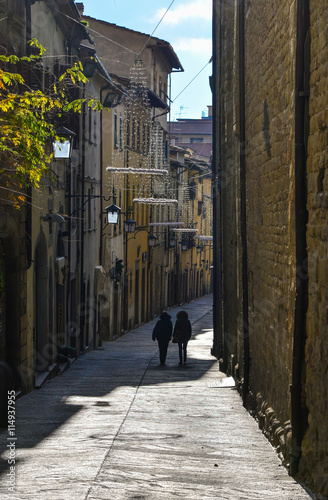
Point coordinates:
[(194, 134)]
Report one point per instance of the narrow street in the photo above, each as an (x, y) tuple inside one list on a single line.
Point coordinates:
[(117, 425)]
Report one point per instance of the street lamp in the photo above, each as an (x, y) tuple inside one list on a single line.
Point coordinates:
[(172, 241), (152, 240), (89, 68), (112, 212), (112, 99), (130, 226), (63, 147)]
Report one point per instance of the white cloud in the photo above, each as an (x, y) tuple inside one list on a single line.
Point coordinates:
[(194, 45), (196, 9)]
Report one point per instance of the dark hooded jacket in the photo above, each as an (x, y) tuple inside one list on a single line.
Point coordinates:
[(163, 328), (182, 327)]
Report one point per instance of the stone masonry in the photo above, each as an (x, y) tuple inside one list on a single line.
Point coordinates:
[(279, 41)]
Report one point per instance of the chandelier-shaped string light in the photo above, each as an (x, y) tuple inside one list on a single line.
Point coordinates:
[(166, 223), (155, 201), (140, 171), (205, 238)]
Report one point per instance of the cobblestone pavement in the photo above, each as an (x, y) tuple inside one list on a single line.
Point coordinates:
[(117, 425)]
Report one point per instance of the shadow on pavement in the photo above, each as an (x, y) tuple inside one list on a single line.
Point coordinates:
[(129, 362)]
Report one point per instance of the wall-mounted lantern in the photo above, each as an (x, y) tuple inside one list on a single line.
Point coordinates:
[(172, 241), (199, 249), (112, 99), (89, 68), (184, 246), (152, 240), (112, 213), (63, 147), (129, 226)]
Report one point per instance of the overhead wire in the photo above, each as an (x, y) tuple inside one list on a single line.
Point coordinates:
[(157, 25), (194, 78)]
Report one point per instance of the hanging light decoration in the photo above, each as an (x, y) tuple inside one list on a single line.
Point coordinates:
[(186, 230), (140, 171), (205, 238), (155, 201), (166, 224)]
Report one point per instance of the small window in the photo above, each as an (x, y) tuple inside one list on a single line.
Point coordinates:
[(115, 131), (138, 134), (144, 139), (133, 131), (160, 87), (121, 133)]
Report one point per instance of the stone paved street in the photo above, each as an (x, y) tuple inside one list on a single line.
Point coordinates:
[(117, 425)]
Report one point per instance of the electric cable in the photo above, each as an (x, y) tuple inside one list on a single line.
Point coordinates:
[(194, 78), (157, 25)]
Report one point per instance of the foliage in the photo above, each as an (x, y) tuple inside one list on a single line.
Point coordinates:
[(27, 118)]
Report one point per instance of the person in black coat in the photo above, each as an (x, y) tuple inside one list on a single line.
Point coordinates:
[(163, 333), (182, 334)]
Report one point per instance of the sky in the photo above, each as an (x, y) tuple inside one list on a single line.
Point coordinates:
[(187, 26)]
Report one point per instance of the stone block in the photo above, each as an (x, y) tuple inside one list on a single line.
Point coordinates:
[(323, 271)]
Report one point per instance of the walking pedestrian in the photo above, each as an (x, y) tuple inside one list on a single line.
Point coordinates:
[(182, 334), (163, 333)]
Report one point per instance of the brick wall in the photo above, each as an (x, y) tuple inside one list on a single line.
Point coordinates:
[(273, 59), (270, 68), (230, 189), (314, 464)]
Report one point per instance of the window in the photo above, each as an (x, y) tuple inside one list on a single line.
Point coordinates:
[(121, 132), (90, 125), (134, 131), (160, 87), (144, 139), (115, 131), (138, 134)]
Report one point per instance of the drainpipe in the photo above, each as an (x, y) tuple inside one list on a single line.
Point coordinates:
[(298, 411), (243, 202), (217, 349)]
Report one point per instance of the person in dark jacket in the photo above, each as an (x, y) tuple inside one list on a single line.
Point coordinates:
[(182, 334), (163, 333)]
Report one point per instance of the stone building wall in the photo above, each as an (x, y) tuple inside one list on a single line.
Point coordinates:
[(275, 51), (229, 186), (314, 463), (270, 85)]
